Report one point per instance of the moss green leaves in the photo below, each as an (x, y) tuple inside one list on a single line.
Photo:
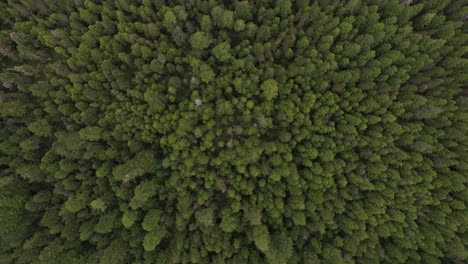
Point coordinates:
[(169, 20), (142, 163), (153, 239), (91, 133), (200, 40), (270, 89), (151, 220), (222, 18), (75, 203), (98, 204), (261, 237), (40, 128), (205, 217), (222, 51), (229, 223), (129, 217)]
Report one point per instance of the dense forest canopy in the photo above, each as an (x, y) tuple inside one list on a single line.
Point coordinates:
[(194, 131)]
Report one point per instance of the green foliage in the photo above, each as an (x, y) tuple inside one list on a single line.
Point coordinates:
[(332, 255), (229, 223), (281, 248), (170, 20), (153, 239), (128, 218), (261, 237), (222, 51), (143, 192), (13, 109), (205, 217), (91, 133), (98, 204), (40, 128), (200, 40), (222, 17), (142, 163), (106, 223), (115, 253), (151, 220), (270, 89), (75, 203), (233, 131)]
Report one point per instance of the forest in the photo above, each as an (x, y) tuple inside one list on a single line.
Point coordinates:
[(243, 131)]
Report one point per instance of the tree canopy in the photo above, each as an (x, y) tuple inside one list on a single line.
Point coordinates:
[(286, 131)]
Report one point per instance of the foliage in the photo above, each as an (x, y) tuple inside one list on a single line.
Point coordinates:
[(286, 131)]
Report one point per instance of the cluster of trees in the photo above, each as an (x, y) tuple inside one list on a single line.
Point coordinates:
[(190, 131)]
